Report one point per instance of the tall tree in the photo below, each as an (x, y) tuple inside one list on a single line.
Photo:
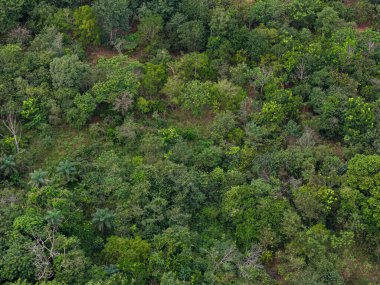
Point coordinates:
[(113, 16), (103, 219), (85, 26)]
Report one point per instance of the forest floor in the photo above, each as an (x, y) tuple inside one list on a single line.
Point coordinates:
[(94, 53), (363, 27)]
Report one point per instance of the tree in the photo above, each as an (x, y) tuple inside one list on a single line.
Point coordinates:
[(192, 66), (266, 12), (315, 203), (303, 12), (39, 178), (227, 96), (219, 22), (196, 96), (223, 125), (261, 75), (113, 16), (130, 256), (103, 219), (198, 10), (8, 166), (155, 76), (84, 106), (85, 26), (171, 29), (67, 170), (255, 213), (16, 260), (259, 42), (149, 29), (327, 21), (361, 201), (67, 71), (359, 118), (192, 35), (173, 252), (54, 218), (63, 20), (11, 123), (10, 13), (119, 79)]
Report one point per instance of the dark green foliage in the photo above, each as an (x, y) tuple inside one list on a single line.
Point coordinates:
[(103, 219), (113, 17), (10, 14), (189, 142), (86, 26)]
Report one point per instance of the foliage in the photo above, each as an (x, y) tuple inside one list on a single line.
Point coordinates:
[(112, 16), (67, 72), (86, 26), (189, 142)]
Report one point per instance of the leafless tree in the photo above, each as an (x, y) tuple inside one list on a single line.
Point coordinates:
[(371, 46), (45, 251), (14, 127), (19, 34), (123, 103), (301, 69), (252, 260), (43, 266), (262, 76), (228, 256)]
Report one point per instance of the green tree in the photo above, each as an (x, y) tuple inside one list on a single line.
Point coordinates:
[(328, 21), (8, 166), (192, 36), (360, 209), (86, 28), (196, 96), (84, 106), (39, 178), (149, 29), (155, 76), (10, 13), (359, 118), (192, 66), (219, 22), (67, 170), (112, 16), (103, 219), (16, 260), (68, 72), (54, 218), (130, 256), (303, 13), (256, 214), (172, 251)]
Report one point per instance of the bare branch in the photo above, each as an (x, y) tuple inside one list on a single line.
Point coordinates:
[(14, 127)]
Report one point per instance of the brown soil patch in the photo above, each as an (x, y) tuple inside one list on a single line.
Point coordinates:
[(186, 118), (362, 27), (94, 53), (349, 3)]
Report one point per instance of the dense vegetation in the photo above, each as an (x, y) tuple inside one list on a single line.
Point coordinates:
[(190, 142)]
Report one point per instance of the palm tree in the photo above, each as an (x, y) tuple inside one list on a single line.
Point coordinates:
[(54, 218), (38, 178), (67, 170), (103, 219), (8, 166)]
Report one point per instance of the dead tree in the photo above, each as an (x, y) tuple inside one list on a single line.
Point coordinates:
[(262, 76), (251, 261), (45, 251), (301, 69), (14, 127)]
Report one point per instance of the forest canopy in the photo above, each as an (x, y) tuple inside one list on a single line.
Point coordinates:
[(190, 142)]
